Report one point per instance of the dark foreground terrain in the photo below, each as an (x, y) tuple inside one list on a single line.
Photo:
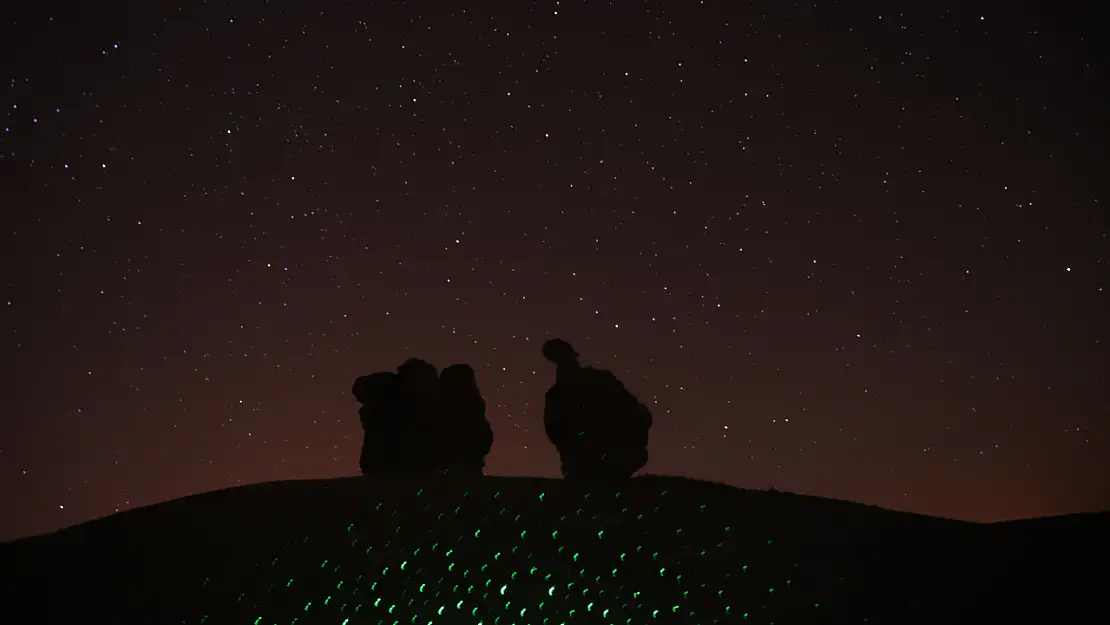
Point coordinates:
[(505, 551)]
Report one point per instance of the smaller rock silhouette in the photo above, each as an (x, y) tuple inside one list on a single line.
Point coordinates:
[(468, 435), (599, 428)]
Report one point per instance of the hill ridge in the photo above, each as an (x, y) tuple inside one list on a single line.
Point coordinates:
[(706, 549)]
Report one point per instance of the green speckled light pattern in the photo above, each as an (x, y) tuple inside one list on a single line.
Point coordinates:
[(595, 559)]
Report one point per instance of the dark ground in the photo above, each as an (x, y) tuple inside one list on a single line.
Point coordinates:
[(533, 551)]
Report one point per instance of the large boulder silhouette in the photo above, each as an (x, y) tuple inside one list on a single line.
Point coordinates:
[(419, 421)]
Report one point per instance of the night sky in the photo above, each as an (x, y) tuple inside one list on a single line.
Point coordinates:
[(855, 250)]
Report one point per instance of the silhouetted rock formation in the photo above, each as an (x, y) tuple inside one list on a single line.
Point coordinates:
[(415, 421), (419, 415), (599, 428), (667, 551), (467, 432), (381, 429)]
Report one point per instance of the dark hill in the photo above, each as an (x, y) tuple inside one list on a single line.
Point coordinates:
[(504, 551)]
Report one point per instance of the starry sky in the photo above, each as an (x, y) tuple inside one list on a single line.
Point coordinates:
[(856, 250)]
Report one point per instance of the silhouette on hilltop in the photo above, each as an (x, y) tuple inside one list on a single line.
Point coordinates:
[(417, 421), (382, 431), (468, 437), (598, 427)]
